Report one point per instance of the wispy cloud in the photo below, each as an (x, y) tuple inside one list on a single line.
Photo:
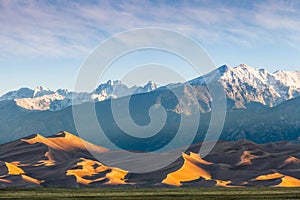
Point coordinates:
[(72, 28)]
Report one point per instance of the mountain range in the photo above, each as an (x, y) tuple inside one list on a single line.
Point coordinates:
[(261, 107), (42, 98), (62, 160), (243, 86)]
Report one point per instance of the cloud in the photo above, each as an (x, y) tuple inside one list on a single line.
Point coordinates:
[(73, 28)]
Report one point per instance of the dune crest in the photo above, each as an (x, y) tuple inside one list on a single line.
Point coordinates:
[(286, 181), (66, 142), (13, 169), (292, 159), (49, 162), (246, 158), (197, 158), (189, 171), (32, 180), (269, 176), (5, 180), (86, 169), (221, 183)]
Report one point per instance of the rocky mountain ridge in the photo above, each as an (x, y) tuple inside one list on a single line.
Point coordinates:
[(43, 98), (243, 86)]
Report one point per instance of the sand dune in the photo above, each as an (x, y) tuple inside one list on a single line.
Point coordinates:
[(63, 161), (269, 176), (50, 160), (246, 158), (189, 171), (66, 142), (222, 183), (286, 181), (292, 159), (14, 170), (85, 169)]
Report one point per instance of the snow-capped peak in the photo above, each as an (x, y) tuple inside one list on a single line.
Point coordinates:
[(244, 67), (150, 86), (113, 82), (63, 92), (41, 91), (290, 78), (42, 98), (223, 68), (247, 84)]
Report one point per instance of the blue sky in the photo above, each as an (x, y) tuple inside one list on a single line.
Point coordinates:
[(45, 42)]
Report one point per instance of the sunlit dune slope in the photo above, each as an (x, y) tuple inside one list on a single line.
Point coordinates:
[(286, 181), (86, 169), (246, 158), (189, 171), (292, 160), (66, 142), (15, 171)]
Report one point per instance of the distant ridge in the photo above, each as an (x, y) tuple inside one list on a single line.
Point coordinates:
[(43, 98), (244, 86)]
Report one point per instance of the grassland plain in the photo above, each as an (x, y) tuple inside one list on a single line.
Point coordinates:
[(150, 193)]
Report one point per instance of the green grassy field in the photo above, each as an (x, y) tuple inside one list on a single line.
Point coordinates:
[(180, 193)]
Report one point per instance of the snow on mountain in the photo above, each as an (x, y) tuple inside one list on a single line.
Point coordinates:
[(18, 94), (70, 98), (38, 103), (244, 84), (42, 91), (150, 86), (43, 98), (115, 89), (26, 93)]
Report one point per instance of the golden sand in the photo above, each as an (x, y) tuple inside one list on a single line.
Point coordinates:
[(67, 143), (221, 183), (49, 162), (286, 181), (31, 180), (269, 177), (246, 158), (115, 177), (13, 169), (189, 171)]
